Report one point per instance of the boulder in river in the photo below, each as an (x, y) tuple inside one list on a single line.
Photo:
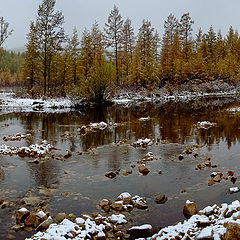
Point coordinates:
[(233, 231), (143, 169), (142, 231), (110, 174), (189, 209)]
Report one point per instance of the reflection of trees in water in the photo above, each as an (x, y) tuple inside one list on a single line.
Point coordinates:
[(171, 121)]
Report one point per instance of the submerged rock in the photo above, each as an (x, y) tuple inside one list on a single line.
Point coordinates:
[(160, 199)]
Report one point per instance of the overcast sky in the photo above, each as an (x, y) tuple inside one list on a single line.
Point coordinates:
[(83, 13)]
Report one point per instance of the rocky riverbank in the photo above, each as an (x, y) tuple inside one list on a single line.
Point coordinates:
[(211, 223)]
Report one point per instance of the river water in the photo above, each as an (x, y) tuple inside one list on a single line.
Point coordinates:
[(77, 184)]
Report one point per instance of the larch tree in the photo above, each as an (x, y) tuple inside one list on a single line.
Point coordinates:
[(5, 32), (31, 64), (146, 52), (73, 49), (50, 36), (98, 44), (185, 30), (171, 33), (113, 32), (86, 54), (171, 27), (128, 41)]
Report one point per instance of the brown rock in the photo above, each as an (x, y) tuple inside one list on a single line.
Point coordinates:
[(230, 173), (18, 227), (125, 197), (44, 225), (104, 202), (233, 179), (211, 182), (60, 217), (189, 209), (30, 220), (21, 215), (110, 174), (233, 231), (160, 199), (106, 208), (195, 154), (208, 158), (68, 154), (217, 178), (208, 164), (71, 217), (143, 169), (117, 205), (118, 234), (180, 157), (143, 231), (31, 200)]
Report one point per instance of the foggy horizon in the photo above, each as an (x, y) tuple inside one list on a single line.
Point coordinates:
[(220, 14)]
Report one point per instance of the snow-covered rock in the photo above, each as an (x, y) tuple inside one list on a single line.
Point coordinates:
[(205, 125)]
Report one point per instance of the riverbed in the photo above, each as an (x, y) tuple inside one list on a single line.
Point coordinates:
[(77, 183)]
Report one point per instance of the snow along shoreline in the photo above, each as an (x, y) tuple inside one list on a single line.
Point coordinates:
[(212, 223), (10, 103)]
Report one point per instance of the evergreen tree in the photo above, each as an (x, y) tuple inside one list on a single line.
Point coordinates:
[(5, 32), (74, 52), (50, 36), (113, 31), (31, 64), (146, 52), (185, 30), (128, 38)]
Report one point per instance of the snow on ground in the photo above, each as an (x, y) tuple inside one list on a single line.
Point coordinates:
[(205, 125), (129, 98), (8, 103), (210, 223)]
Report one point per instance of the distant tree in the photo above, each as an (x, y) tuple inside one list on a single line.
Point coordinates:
[(198, 40), (128, 41), (73, 48), (86, 53), (171, 27), (98, 43), (113, 32), (185, 30), (50, 36), (146, 53), (31, 64), (5, 32), (170, 38)]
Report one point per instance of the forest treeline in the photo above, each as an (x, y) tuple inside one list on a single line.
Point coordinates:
[(93, 64)]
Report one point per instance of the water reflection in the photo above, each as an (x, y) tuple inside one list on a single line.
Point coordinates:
[(173, 123)]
